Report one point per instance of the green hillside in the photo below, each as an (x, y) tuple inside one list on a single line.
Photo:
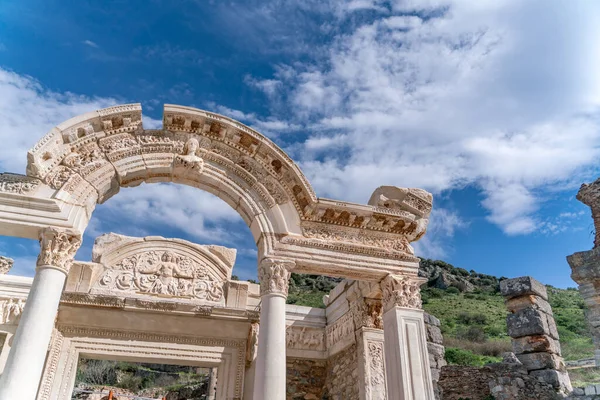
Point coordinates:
[(471, 311)]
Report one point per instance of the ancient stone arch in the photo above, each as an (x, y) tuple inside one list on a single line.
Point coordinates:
[(87, 159)]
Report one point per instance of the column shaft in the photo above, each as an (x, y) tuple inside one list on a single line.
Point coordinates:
[(270, 372), (270, 382), (26, 359)]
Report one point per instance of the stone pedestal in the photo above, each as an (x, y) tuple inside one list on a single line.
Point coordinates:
[(269, 382), (25, 362), (406, 357)]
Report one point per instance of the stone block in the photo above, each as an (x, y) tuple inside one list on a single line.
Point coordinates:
[(434, 334), (535, 344), (536, 302), (558, 379), (527, 322), (522, 286), (535, 361), (552, 329), (431, 320), (589, 390)]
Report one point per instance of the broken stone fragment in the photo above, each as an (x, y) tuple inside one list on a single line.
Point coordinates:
[(535, 361), (536, 302), (535, 344), (522, 286), (558, 379)]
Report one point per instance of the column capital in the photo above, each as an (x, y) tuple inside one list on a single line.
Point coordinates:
[(57, 249), (5, 264), (401, 291), (367, 313), (274, 276)]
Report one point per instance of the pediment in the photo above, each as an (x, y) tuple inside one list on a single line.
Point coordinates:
[(154, 267)]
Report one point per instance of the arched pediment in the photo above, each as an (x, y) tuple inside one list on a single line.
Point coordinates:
[(157, 267)]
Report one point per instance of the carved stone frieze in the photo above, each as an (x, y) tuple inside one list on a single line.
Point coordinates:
[(203, 311), (5, 264), (18, 184), (57, 248), (376, 384), (303, 338), (401, 291), (326, 232), (97, 300), (252, 343), (274, 275), (339, 330), (11, 310), (162, 273)]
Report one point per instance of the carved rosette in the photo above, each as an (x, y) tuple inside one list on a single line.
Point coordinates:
[(57, 249), (274, 276), (401, 291), (5, 264)]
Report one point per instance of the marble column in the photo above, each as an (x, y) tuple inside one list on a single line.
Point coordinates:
[(25, 362), (269, 382), (212, 384), (405, 340)]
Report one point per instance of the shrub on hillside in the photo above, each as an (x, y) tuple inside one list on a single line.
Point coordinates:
[(472, 333), (464, 357), (452, 290), (471, 318)]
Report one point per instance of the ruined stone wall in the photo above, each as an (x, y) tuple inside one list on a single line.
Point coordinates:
[(342, 375), (503, 381), (436, 350), (305, 379)]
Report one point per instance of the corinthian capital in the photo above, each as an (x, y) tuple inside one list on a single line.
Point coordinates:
[(5, 264), (57, 249), (401, 291), (274, 276)]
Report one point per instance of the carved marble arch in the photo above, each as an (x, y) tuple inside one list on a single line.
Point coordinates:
[(87, 159), (91, 156)]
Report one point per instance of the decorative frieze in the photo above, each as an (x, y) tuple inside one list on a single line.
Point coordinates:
[(17, 184), (376, 384), (11, 310), (341, 329), (274, 276), (303, 338), (162, 273), (401, 291), (57, 248)]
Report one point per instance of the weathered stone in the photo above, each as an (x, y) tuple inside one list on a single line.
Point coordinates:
[(535, 361), (434, 334), (510, 358), (431, 320), (534, 344), (527, 322), (536, 302), (522, 286), (558, 379)]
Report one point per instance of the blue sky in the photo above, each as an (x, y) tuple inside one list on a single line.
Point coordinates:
[(493, 106)]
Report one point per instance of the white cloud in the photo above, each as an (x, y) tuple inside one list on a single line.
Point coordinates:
[(90, 43), (28, 111), (502, 95), (442, 225), (135, 211), (271, 127)]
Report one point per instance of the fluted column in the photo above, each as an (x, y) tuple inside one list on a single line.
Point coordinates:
[(269, 382), (25, 362), (405, 340)]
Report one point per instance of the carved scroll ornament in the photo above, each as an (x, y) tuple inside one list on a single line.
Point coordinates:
[(252, 343), (163, 274), (274, 276), (400, 291), (57, 249)]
